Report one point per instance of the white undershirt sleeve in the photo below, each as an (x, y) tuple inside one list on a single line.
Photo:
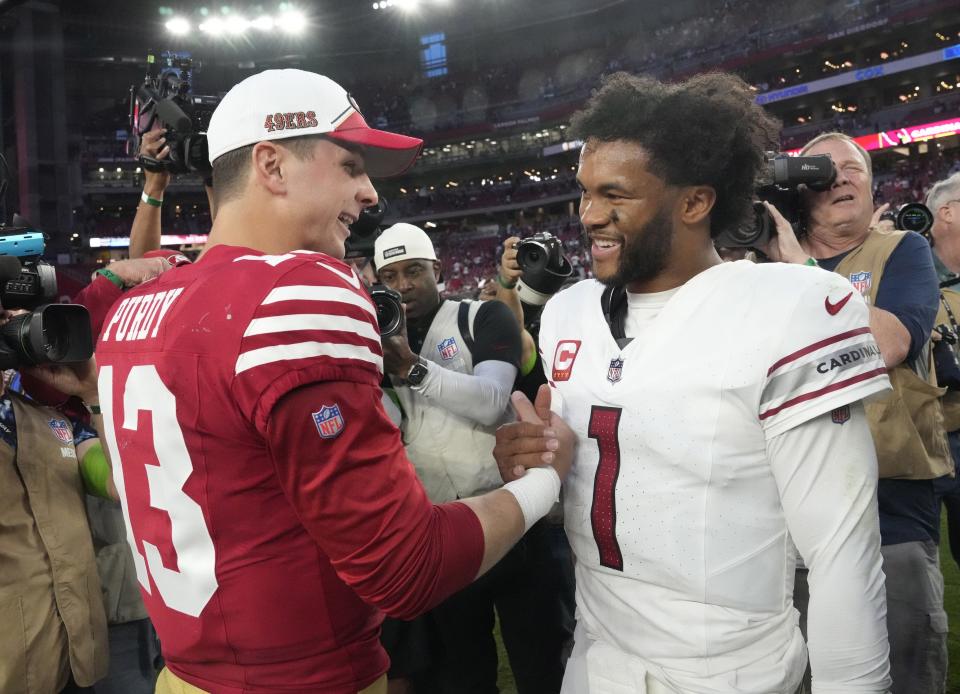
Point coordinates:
[(827, 476), (481, 397)]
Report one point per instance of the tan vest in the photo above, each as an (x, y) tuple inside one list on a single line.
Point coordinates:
[(907, 423), (951, 401), (51, 613)]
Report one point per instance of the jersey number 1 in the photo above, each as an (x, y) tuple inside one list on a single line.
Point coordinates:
[(605, 428), (189, 589)]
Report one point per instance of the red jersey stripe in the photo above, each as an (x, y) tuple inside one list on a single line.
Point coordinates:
[(823, 391)]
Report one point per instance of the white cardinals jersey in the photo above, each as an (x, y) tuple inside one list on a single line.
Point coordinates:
[(684, 560)]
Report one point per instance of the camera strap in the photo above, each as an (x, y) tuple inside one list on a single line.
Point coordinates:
[(463, 323), (953, 320), (614, 305)]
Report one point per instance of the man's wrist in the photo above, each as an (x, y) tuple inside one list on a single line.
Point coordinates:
[(403, 368), (503, 283), (112, 277), (151, 200), (155, 184)]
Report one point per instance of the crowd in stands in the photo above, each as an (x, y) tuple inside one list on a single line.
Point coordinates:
[(671, 46)]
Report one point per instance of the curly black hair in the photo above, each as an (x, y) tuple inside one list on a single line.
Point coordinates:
[(706, 131)]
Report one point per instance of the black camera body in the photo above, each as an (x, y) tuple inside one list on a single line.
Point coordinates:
[(945, 358), (779, 184), (165, 96), (364, 231), (50, 332), (360, 244), (545, 268)]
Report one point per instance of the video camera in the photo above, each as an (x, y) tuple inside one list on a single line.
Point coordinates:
[(166, 97), (360, 244), (779, 184), (50, 332)]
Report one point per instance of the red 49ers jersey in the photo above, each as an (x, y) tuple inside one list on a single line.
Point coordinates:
[(191, 365)]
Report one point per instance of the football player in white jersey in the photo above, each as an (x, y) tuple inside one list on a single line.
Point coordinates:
[(717, 409)]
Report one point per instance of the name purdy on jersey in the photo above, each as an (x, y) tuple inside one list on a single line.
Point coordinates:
[(683, 553), (140, 317)]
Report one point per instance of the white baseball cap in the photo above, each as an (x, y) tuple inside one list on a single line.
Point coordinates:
[(402, 242), (277, 104)]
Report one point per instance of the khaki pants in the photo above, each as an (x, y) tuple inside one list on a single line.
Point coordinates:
[(168, 683)]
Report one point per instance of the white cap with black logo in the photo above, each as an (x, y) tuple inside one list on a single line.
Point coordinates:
[(402, 242)]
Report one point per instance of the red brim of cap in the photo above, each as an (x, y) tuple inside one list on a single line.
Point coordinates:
[(385, 154)]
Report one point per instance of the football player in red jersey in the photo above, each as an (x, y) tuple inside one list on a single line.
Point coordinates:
[(272, 513)]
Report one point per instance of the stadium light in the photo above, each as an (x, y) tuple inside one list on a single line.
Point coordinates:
[(292, 22), (263, 23), (236, 25), (178, 26), (213, 26)]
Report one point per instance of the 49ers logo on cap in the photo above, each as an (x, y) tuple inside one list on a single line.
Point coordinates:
[(563, 359), (290, 121)]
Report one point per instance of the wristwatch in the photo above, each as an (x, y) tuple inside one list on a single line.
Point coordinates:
[(417, 373)]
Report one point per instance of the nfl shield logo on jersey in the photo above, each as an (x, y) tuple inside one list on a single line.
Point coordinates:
[(615, 372), (61, 430), (448, 349), (841, 414), (329, 421), (862, 281)]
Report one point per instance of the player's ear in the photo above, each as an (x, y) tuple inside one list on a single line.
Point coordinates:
[(695, 204), (268, 167), (436, 270)]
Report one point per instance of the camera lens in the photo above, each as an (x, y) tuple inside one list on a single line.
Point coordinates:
[(389, 305), (914, 216)]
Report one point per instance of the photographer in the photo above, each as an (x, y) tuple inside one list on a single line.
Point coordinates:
[(895, 273), (146, 230), (453, 368), (54, 636), (943, 200)]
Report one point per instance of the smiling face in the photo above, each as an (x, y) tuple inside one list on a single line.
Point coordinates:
[(325, 195), (846, 208), (625, 212)]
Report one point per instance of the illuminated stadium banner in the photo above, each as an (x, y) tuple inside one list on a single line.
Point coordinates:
[(854, 76), (165, 240), (904, 136)]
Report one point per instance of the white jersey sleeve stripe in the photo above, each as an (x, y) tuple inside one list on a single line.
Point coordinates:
[(814, 347), (308, 292), (311, 321), (305, 350), (820, 369), (839, 385)]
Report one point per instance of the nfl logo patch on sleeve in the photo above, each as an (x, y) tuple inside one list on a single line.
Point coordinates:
[(329, 421), (841, 415)]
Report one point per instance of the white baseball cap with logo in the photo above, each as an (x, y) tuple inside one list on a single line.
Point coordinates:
[(402, 242), (278, 104)]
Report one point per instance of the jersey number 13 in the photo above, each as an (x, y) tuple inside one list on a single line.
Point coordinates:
[(189, 589)]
